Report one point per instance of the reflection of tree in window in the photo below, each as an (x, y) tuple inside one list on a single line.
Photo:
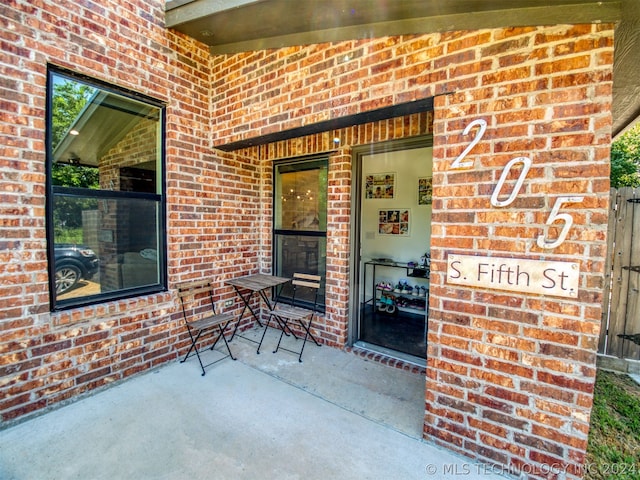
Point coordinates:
[(104, 165), (69, 99)]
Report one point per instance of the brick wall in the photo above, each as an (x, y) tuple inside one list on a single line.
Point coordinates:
[(509, 376), (49, 358)]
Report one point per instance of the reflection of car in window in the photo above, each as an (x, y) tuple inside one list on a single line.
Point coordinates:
[(73, 263)]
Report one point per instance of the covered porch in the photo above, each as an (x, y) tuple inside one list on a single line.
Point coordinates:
[(281, 418)]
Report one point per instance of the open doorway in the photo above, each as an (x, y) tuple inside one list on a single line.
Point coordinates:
[(392, 233)]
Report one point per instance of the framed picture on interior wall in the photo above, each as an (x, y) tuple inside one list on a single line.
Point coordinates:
[(380, 185), (425, 190), (394, 222)]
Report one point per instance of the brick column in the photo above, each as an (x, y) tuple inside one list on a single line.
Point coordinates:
[(510, 375)]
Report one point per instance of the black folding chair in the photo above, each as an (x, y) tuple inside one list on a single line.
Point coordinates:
[(297, 311), (199, 315)]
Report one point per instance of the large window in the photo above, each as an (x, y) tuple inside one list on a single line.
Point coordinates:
[(300, 217), (105, 203)]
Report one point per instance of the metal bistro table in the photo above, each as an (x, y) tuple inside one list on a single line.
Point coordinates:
[(246, 287)]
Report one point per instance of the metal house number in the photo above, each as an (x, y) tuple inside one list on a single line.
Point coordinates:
[(526, 162)]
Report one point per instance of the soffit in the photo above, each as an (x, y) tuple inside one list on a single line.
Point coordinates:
[(104, 121), (231, 26)]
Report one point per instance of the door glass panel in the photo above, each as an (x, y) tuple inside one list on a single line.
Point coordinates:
[(395, 233), (300, 218), (301, 197)]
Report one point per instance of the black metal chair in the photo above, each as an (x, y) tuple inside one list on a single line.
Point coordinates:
[(297, 311), (200, 317)]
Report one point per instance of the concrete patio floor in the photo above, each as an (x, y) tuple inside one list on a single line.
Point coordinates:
[(267, 416)]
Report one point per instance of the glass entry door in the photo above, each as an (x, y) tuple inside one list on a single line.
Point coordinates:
[(394, 243)]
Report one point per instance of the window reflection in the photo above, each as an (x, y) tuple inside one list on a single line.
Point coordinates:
[(300, 207), (106, 201)]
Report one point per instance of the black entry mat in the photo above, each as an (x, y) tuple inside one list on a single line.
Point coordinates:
[(402, 331)]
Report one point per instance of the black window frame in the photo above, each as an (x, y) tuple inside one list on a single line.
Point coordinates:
[(52, 190), (285, 295)]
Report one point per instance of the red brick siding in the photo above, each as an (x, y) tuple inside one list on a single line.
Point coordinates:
[(494, 358), (531, 360), (48, 358), (509, 377)]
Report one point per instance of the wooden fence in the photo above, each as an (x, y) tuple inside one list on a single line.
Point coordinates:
[(620, 336)]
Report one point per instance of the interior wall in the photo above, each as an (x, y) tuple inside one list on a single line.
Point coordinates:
[(407, 166)]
